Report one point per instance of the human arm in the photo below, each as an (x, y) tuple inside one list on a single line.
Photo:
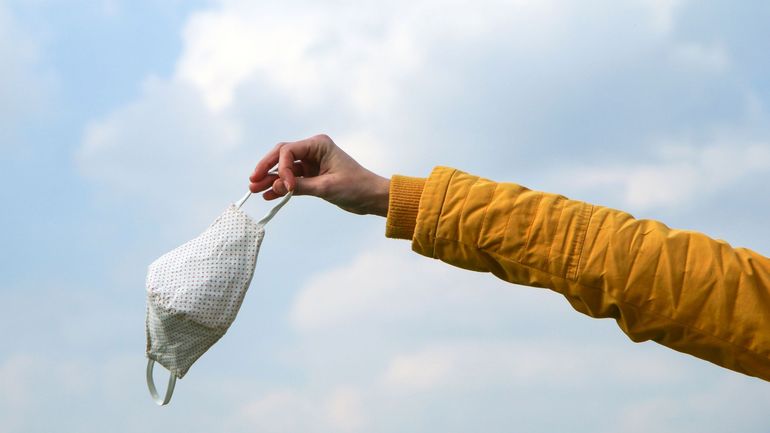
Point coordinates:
[(680, 288)]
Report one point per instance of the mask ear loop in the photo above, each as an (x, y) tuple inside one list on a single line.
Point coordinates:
[(275, 210), (240, 202), (272, 212), (151, 385)]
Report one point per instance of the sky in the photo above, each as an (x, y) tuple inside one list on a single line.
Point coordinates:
[(126, 127)]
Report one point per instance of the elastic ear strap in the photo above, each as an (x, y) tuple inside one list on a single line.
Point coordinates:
[(248, 194), (243, 200), (151, 385), (275, 210)]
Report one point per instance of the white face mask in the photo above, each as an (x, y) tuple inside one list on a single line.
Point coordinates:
[(194, 291)]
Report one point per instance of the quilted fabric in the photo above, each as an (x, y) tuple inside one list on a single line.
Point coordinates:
[(680, 288)]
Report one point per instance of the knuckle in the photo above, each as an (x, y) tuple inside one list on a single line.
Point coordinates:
[(323, 138), (285, 152)]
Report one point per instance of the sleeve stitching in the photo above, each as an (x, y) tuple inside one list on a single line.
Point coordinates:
[(582, 244), (462, 208), (529, 229), (486, 213), (550, 247), (441, 212)]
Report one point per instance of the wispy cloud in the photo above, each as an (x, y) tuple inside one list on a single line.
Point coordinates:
[(26, 82), (341, 333), (678, 172)]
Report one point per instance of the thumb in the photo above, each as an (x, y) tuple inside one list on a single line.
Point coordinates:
[(315, 186)]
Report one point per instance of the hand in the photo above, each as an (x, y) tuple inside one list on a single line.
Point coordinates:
[(316, 166)]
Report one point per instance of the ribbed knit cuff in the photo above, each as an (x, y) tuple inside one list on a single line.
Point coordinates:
[(403, 204)]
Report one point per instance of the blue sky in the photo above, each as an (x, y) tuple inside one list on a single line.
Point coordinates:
[(127, 127)]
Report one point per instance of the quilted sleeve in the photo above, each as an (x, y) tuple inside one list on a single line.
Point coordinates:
[(679, 288)]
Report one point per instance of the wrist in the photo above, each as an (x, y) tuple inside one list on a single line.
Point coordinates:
[(380, 198)]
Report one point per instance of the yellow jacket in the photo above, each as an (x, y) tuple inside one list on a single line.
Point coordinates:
[(680, 288)]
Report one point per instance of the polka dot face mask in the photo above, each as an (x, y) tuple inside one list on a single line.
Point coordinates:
[(194, 292)]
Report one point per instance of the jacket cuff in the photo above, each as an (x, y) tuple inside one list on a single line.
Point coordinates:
[(403, 205)]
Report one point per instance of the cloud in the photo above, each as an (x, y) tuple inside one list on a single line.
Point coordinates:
[(25, 81), (731, 403), (662, 13), (418, 336), (406, 86), (17, 397), (251, 71), (389, 287), (25, 377), (467, 330), (520, 362), (287, 410), (708, 57), (682, 173), (355, 55), (161, 146), (522, 88)]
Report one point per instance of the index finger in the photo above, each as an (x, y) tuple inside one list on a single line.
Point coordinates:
[(286, 160), (307, 149), (304, 150), (266, 163)]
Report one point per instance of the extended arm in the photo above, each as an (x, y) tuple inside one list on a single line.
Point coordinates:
[(680, 288)]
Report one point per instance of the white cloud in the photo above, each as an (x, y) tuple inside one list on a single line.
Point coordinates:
[(684, 171), (521, 336), (484, 364), (351, 323), (387, 79), (280, 411), (400, 85), (25, 81), (662, 13), (711, 57), (356, 55), (346, 410), (394, 82), (16, 398), (340, 410), (167, 151), (388, 285), (401, 82), (223, 49), (733, 403), (25, 378)]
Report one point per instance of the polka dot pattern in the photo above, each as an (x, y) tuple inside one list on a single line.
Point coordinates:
[(176, 342), (195, 291)]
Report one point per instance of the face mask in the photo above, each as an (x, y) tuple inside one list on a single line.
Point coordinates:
[(194, 292)]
